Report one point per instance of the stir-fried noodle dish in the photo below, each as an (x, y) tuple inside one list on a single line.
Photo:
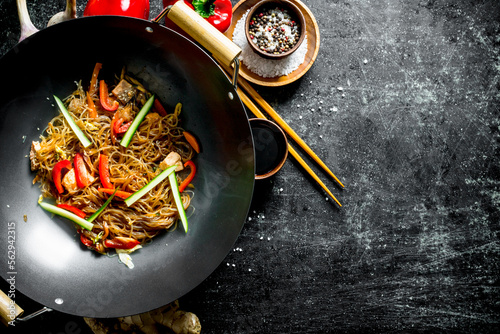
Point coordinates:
[(115, 162)]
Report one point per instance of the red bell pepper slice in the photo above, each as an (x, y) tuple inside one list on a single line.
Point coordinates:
[(85, 240), (190, 177), (121, 243), (120, 193), (82, 175), (104, 97), (104, 172), (73, 209), (57, 174), (120, 127), (158, 107)]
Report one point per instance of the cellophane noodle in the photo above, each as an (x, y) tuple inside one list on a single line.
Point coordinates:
[(130, 168)]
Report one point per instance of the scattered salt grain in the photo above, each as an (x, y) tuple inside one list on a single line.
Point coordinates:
[(334, 109), (340, 89), (365, 61), (319, 123), (267, 68), (300, 117)]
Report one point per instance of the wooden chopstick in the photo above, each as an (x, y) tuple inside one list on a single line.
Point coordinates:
[(255, 110), (281, 122)]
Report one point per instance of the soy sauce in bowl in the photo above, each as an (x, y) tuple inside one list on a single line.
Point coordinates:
[(271, 147)]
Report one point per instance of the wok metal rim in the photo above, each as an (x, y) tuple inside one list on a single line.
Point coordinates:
[(43, 33)]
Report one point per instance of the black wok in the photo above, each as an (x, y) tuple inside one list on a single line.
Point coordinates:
[(50, 265)]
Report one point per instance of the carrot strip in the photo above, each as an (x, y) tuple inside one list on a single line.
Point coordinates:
[(93, 80), (119, 193), (93, 110), (192, 141)]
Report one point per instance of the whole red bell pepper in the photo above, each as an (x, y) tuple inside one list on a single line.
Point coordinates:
[(218, 12), (57, 173), (133, 8)]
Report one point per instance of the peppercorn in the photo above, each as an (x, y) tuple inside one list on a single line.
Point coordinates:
[(274, 30)]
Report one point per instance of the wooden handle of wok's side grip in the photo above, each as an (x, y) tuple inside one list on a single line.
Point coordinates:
[(8, 309), (204, 33)]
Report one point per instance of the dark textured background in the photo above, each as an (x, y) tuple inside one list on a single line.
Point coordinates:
[(414, 136)]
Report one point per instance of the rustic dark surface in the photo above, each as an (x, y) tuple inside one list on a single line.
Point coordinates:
[(415, 137)]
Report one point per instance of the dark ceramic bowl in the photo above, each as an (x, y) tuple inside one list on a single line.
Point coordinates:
[(291, 9)]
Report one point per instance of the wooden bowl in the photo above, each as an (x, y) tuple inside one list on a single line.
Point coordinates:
[(313, 44), (292, 10)]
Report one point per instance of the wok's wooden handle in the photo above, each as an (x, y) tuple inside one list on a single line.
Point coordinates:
[(204, 33), (9, 310)]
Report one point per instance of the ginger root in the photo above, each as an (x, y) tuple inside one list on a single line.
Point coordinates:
[(153, 322)]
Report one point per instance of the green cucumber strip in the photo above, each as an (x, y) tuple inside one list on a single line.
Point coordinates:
[(178, 200), (78, 132), (127, 137), (101, 209), (66, 214), (141, 192)]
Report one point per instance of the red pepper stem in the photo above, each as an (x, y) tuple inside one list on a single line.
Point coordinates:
[(205, 8)]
